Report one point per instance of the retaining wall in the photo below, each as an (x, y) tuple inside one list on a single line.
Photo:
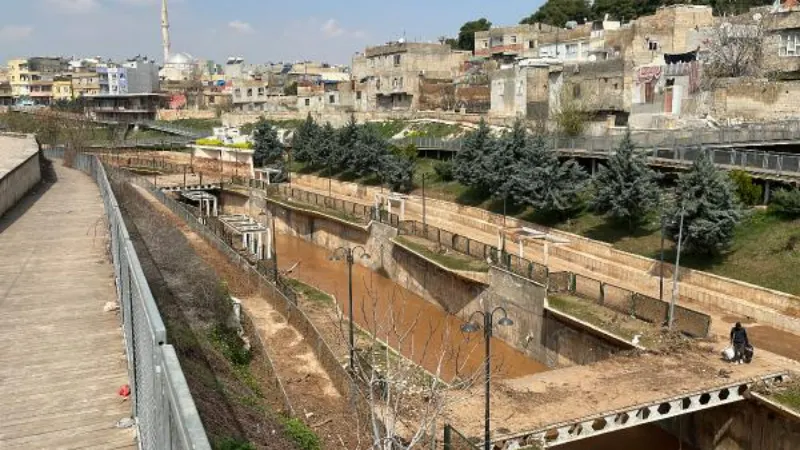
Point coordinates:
[(593, 258), (20, 169), (739, 426)]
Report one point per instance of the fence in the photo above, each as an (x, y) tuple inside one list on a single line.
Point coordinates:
[(454, 440), (276, 294), (642, 307), (165, 412), (476, 249)]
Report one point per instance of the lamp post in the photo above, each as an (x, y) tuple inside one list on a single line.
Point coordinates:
[(349, 255), (472, 327), (675, 292)]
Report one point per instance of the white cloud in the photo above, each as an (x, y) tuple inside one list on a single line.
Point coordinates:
[(241, 27), (332, 29), (15, 32), (72, 6)]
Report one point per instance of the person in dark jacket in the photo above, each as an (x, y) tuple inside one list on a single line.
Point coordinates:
[(739, 341)]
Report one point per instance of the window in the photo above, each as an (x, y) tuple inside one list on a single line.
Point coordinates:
[(652, 46), (308, 102), (250, 92), (397, 60), (513, 39), (576, 90), (572, 51), (261, 92), (485, 43), (531, 44), (400, 83), (790, 45), (358, 95), (237, 92)]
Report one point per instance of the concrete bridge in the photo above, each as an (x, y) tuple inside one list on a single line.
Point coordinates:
[(566, 405), (75, 327)]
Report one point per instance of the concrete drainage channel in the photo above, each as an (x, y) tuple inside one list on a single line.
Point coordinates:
[(462, 297)]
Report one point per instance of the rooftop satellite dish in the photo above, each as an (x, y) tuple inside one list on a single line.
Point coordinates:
[(757, 17), (402, 40)]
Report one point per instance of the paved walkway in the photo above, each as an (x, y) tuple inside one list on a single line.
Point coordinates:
[(61, 356)]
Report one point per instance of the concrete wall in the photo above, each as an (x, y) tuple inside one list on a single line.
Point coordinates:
[(739, 426), (19, 168), (756, 100), (539, 335), (591, 258)]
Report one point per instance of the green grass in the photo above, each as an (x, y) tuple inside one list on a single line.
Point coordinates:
[(451, 260), (787, 395), (602, 318), (433, 129), (302, 434), (309, 292), (199, 125)]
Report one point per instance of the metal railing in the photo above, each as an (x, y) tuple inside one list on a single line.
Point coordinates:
[(166, 415), (682, 152)]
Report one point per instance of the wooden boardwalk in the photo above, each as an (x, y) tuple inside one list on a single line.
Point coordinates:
[(62, 357)]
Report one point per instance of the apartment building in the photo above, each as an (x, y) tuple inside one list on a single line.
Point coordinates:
[(387, 77), (506, 44), (249, 95), (62, 88), (31, 79), (6, 99)]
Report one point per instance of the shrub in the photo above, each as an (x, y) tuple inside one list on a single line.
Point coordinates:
[(444, 170), (748, 192), (302, 435), (234, 444), (231, 345), (786, 203), (209, 142)]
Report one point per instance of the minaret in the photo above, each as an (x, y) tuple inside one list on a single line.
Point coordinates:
[(165, 29)]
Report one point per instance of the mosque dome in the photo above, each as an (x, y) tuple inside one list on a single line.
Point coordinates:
[(180, 59)]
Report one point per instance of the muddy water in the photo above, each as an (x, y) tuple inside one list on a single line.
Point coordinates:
[(423, 332), (644, 437)]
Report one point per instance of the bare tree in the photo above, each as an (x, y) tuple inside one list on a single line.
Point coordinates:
[(735, 50), (570, 114), (409, 371)]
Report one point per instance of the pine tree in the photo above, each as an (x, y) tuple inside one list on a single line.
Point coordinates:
[(469, 164), (347, 138), (625, 188), (365, 156), (711, 211), (503, 163), (268, 150), (305, 140), (326, 147), (545, 183)]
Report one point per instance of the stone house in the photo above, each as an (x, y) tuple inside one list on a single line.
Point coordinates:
[(388, 77)]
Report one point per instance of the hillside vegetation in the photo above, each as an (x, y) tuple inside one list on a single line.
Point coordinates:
[(559, 12)]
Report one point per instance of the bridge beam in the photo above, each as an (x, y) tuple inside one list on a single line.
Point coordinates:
[(609, 422)]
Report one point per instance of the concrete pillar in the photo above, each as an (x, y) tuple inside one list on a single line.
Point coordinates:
[(269, 244), (402, 209), (389, 205), (244, 240), (546, 253), (594, 166), (521, 249), (766, 192), (260, 251)]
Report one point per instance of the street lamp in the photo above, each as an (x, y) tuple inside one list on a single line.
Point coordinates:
[(349, 255), (472, 327)]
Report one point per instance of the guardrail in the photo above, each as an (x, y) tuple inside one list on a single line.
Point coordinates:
[(165, 413), (758, 162)]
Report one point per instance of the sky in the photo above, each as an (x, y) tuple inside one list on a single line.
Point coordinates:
[(258, 30)]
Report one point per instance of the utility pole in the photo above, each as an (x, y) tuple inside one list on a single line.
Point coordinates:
[(677, 271), (424, 210)]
